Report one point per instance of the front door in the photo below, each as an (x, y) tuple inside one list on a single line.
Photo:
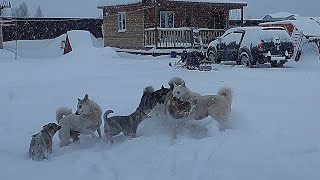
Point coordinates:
[(166, 19)]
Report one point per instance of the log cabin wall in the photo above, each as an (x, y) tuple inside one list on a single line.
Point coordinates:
[(190, 15), (133, 36)]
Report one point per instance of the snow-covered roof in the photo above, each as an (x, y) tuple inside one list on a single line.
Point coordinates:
[(316, 19), (102, 3), (308, 26), (280, 15)]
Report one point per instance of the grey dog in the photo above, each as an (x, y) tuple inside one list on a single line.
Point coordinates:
[(41, 143), (126, 124)]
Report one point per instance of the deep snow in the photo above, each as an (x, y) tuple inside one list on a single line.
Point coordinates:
[(275, 119)]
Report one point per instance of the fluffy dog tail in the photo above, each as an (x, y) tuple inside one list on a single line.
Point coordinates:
[(176, 81), (226, 92), (148, 89), (62, 112), (105, 115)]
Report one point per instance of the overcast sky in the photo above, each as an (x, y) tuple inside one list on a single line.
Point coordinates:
[(259, 8), (255, 8)]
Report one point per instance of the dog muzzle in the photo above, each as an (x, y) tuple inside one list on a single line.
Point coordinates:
[(77, 113)]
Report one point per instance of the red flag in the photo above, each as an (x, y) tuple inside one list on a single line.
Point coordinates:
[(67, 47)]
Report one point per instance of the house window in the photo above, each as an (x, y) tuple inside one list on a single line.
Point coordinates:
[(166, 19), (121, 22)]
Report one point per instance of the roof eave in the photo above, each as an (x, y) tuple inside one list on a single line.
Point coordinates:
[(241, 4), (101, 7)]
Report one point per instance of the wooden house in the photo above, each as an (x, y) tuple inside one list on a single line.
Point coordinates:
[(145, 24)]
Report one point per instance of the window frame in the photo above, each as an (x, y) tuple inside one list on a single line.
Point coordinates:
[(122, 22), (166, 19), (230, 34)]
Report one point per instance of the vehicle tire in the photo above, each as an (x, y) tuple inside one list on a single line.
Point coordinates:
[(274, 63), (245, 60), (212, 56), (280, 64)]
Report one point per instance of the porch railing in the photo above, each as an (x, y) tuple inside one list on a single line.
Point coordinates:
[(179, 37)]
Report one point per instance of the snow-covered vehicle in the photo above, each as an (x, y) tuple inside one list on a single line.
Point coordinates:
[(251, 45)]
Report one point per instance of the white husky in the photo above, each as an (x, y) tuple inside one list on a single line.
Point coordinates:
[(86, 120), (217, 106)]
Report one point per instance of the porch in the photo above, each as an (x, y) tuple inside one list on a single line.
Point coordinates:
[(179, 38)]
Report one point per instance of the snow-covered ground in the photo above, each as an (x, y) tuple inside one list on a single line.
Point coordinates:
[(275, 119)]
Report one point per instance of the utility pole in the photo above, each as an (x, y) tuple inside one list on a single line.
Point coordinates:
[(4, 4)]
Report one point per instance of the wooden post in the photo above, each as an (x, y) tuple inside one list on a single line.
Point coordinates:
[(5, 4), (1, 34), (227, 20), (16, 53), (156, 18), (242, 23)]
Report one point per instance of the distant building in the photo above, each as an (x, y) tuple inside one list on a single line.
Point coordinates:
[(280, 16)]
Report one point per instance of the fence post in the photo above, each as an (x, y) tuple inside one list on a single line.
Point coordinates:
[(1, 33), (5, 4)]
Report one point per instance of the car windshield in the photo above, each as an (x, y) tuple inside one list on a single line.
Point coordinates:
[(273, 34)]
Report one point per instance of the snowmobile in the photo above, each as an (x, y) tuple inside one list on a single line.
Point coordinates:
[(193, 60)]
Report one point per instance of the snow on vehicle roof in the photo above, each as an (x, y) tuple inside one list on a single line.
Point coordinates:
[(252, 28), (316, 19), (123, 2), (254, 34)]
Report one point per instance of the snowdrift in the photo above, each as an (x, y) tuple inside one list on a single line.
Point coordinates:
[(51, 48)]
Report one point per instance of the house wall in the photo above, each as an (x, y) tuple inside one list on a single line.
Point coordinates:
[(141, 16), (133, 37), (190, 15)]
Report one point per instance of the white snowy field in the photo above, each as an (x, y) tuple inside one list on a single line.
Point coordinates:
[(274, 134)]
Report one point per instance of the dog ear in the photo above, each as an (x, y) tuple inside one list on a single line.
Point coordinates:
[(162, 87), (183, 84), (86, 97)]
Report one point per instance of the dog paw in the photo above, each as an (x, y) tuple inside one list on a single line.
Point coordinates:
[(64, 144), (95, 137)]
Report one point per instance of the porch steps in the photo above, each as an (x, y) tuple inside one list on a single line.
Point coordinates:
[(297, 39)]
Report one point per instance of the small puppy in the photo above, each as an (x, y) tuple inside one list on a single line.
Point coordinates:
[(126, 124), (41, 143)]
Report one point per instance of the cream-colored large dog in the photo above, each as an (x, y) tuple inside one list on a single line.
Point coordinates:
[(86, 120), (217, 106)]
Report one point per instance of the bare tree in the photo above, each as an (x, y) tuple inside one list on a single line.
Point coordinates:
[(38, 12), (20, 11), (4, 13)]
